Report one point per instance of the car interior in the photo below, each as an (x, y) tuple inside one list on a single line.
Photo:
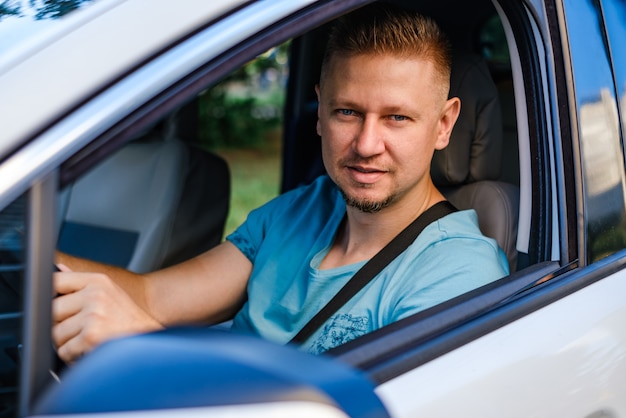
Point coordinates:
[(141, 208)]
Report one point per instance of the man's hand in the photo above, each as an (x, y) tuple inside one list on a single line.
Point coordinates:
[(91, 309)]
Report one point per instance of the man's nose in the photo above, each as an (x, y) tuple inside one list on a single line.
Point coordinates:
[(369, 140)]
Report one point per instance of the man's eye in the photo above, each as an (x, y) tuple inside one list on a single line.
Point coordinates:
[(346, 112), (398, 118)]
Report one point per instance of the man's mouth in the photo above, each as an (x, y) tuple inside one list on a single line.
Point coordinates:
[(365, 175)]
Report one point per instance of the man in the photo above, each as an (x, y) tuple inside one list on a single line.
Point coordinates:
[(383, 111)]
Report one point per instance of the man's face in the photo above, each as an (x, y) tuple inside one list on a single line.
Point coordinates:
[(380, 119)]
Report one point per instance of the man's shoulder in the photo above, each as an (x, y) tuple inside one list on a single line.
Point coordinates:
[(461, 223), (451, 254), (456, 236)]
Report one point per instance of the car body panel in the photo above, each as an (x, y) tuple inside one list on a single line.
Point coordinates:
[(88, 67), (566, 359)]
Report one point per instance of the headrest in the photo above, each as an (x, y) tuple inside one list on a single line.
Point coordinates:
[(475, 148)]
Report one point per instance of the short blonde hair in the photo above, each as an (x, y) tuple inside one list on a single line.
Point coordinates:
[(381, 28)]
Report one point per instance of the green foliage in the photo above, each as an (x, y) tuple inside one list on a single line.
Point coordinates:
[(9, 9), (255, 178), (40, 9), (243, 108), (240, 119), (54, 9), (232, 121)]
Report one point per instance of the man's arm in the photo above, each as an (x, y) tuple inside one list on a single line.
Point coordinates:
[(98, 302), (209, 288)]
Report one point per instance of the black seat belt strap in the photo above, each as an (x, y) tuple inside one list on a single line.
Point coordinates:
[(366, 273)]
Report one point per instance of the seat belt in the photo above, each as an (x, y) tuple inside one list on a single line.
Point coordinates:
[(366, 273)]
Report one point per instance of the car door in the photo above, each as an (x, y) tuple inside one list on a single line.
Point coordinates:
[(557, 349)]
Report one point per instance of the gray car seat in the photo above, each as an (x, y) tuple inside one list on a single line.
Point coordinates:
[(155, 202), (468, 170)]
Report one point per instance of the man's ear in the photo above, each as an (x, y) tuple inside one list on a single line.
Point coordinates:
[(318, 128), (449, 115)]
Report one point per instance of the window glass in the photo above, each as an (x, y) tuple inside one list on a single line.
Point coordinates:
[(492, 43), (615, 19), (601, 151), (186, 181), (241, 120), (12, 222)]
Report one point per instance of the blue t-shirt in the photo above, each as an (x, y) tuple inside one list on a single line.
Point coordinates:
[(287, 238)]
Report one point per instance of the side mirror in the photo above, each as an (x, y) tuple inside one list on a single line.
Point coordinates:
[(207, 368)]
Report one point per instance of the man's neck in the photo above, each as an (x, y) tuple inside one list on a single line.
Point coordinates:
[(362, 235)]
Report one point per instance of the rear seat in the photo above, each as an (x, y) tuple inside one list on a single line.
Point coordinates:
[(157, 201)]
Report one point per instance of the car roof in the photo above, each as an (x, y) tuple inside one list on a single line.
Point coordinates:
[(44, 76)]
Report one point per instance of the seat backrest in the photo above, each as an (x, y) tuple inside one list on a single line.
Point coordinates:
[(467, 171), (153, 203), (202, 209)]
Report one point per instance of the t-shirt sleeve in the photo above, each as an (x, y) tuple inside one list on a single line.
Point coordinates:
[(249, 236), (245, 239), (282, 213)]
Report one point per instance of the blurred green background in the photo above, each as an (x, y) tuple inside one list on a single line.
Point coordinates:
[(241, 120)]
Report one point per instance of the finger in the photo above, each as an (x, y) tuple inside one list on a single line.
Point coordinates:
[(77, 336), (71, 350), (60, 268), (69, 282), (63, 332), (63, 268), (65, 306)]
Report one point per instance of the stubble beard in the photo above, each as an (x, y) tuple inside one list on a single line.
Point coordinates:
[(366, 205)]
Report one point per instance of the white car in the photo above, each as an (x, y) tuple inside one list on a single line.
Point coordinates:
[(101, 105)]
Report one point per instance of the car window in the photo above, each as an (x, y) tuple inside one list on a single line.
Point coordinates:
[(614, 17), (265, 112), (601, 147), (189, 178), (259, 121), (492, 44), (241, 120), (186, 181), (12, 225)]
